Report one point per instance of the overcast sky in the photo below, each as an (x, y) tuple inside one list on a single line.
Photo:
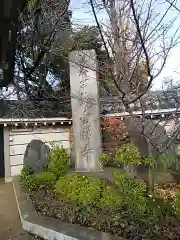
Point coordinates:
[(83, 15)]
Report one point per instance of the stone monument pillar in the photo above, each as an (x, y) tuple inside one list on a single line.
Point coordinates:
[(85, 110)]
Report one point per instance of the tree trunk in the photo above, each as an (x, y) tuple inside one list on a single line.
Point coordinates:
[(130, 168), (150, 179)]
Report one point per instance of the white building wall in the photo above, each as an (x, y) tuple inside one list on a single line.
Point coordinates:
[(19, 138)]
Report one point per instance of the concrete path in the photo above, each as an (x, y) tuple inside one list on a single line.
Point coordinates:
[(10, 226)]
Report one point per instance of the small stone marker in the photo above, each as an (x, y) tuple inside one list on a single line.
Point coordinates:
[(36, 155), (85, 110)]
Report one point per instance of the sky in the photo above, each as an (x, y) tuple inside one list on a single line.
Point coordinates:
[(82, 15)]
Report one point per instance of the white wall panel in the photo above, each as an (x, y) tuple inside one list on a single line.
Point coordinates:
[(45, 137), (19, 138), (16, 159), (15, 170), (17, 131), (20, 149)]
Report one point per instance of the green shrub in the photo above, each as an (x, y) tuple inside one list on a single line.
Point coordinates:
[(132, 191), (110, 198), (104, 159), (26, 171), (176, 206), (90, 192), (70, 185), (27, 180), (79, 189), (30, 183), (149, 161), (58, 161), (167, 161), (127, 154), (86, 191), (46, 179)]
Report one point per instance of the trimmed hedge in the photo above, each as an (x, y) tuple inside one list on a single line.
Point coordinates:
[(46, 179), (32, 182), (87, 191)]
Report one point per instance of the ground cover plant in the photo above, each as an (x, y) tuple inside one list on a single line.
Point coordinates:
[(121, 208)]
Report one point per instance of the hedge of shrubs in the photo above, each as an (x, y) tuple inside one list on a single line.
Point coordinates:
[(57, 166), (94, 196), (87, 191), (58, 161), (128, 154)]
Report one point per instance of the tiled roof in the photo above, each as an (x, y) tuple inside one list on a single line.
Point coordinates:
[(50, 109), (60, 108), (24, 109)]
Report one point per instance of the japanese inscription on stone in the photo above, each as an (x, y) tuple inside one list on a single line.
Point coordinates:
[(85, 131), (85, 110)]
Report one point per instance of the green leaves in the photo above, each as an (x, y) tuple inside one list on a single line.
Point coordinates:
[(31, 4), (26, 171), (86, 191), (132, 192), (28, 180), (149, 161), (58, 166), (127, 154), (104, 159), (176, 206), (46, 179), (32, 182), (79, 189), (111, 198), (58, 161)]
